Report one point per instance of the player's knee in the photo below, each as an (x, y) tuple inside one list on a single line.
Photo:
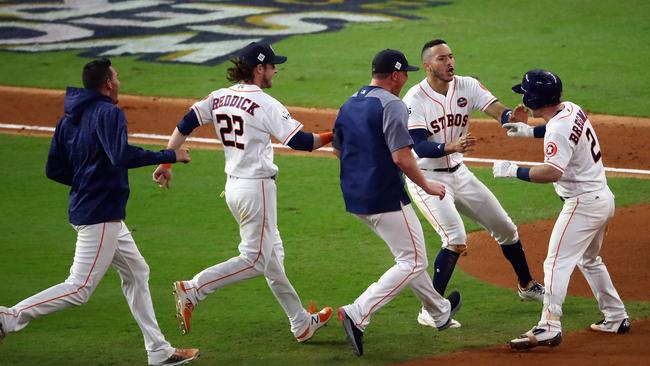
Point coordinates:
[(589, 263), (142, 274), (137, 275), (409, 265), (83, 295), (457, 248), (507, 237), (421, 265)]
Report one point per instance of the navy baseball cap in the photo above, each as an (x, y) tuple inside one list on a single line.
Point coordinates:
[(260, 53), (389, 60), (540, 88)]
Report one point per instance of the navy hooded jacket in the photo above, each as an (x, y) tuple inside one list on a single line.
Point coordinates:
[(90, 153)]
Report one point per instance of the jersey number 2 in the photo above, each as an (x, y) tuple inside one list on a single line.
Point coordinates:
[(229, 121), (594, 144)]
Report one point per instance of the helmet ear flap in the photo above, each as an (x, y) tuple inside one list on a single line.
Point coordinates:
[(532, 101)]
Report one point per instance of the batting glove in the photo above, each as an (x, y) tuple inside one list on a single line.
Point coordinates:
[(504, 169), (518, 129)]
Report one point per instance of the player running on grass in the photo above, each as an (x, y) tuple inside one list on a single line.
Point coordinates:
[(90, 153), (374, 148), (439, 116), (245, 119)]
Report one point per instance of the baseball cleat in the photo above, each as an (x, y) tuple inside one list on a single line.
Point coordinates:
[(456, 302), (180, 357), (353, 334), (534, 292), (184, 306), (316, 321), (536, 337), (2, 333), (618, 326), (424, 318)]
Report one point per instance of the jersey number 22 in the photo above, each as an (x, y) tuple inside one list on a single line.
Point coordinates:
[(226, 130)]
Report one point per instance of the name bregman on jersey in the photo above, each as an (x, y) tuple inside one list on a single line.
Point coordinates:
[(236, 101), (578, 126)]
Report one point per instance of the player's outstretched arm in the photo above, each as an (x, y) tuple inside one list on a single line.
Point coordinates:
[(404, 159), (162, 175), (307, 141), (537, 174)]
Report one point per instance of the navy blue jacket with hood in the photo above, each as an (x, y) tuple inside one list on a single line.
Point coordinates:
[(90, 153)]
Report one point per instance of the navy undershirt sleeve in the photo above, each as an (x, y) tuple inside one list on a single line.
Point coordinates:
[(302, 141), (188, 123), (539, 131), (425, 148)]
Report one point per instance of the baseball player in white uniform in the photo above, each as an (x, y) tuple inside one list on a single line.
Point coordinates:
[(245, 119), (439, 115), (573, 163)]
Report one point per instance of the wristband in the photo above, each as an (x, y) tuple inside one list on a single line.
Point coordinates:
[(166, 166), (326, 137), (523, 174), (505, 116), (539, 131)]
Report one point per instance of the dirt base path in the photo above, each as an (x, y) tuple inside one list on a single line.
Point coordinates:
[(626, 252), (627, 255), (625, 143), (578, 348)]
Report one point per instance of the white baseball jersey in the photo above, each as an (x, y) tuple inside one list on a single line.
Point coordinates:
[(245, 118), (571, 146), (446, 117)]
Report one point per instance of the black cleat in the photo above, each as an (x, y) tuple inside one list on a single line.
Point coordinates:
[(353, 334), (456, 302)]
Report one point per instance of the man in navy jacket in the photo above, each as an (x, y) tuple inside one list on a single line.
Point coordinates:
[(90, 153)]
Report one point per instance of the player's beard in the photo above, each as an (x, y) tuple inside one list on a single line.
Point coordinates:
[(267, 82)]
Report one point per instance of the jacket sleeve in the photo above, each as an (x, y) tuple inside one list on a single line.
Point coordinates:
[(112, 133), (58, 166)]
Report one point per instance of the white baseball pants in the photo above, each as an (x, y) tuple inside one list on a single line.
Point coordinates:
[(98, 246), (576, 240), (253, 203), (402, 232), (467, 194)]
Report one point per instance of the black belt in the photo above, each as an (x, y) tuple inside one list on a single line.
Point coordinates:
[(448, 170)]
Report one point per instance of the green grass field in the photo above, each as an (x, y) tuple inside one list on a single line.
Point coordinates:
[(330, 257), (599, 48)]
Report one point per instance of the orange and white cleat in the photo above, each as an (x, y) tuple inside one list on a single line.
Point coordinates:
[(184, 306), (316, 321)]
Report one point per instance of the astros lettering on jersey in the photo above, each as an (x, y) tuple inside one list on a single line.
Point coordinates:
[(446, 117)]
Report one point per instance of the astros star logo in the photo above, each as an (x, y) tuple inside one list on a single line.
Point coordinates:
[(551, 149)]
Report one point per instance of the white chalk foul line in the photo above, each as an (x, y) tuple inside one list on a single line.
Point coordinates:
[(204, 140)]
